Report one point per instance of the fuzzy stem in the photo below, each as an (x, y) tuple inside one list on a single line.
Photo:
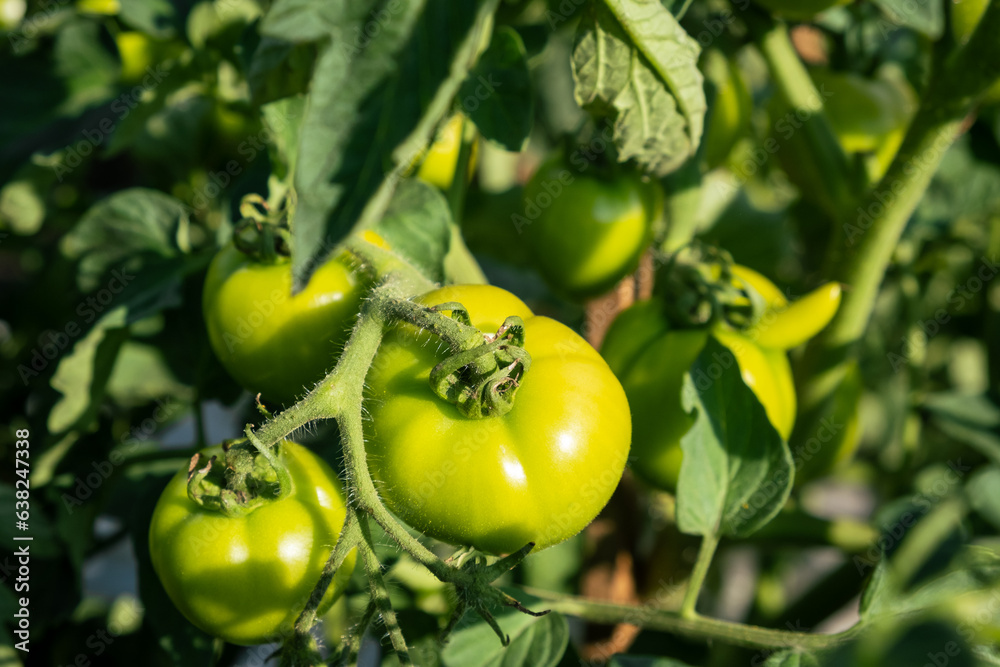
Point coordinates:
[(651, 618), (705, 553)]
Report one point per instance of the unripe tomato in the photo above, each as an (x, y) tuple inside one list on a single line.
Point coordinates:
[(439, 162), (246, 579), (268, 340), (538, 473), (651, 359), (783, 326), (586, 232)]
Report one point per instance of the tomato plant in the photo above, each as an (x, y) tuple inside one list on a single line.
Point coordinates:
[(246, 578), (539, 473), (268, 339), (188, 197), (591, 229)]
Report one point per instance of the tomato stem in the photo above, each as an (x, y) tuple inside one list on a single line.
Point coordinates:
[(705, 554), (709, 629), (873, 228)]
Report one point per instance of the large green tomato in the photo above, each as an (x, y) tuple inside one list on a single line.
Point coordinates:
[(651, 359), (586, 232), (246, 579), (965, 16), (539, 473), (268, 340)]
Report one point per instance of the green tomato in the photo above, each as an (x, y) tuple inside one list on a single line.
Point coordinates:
[(965, 16), (783, 326), (731, 107), (268, 340), (246, 579), (539, 473), (651, 359), (585, 232), (438, 163), (799, 10)]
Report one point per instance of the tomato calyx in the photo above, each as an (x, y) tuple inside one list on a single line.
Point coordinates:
[(260, 233), (698, 290), (484, 371), (240, 483), (477, 592)]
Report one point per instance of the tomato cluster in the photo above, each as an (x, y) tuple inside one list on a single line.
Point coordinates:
[(651, 359)]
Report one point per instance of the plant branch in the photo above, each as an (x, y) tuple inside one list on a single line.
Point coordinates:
[(350, 536), (873, 229), (380, 594), (698, 627), (705, 554), (798, 93)]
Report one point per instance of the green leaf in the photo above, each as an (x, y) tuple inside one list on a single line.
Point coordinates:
[(153, 17), (283, 118), (534, 642), (975, 568), (122, 231), (497, 95), (924, 17), (634, 64), (384, 79), (22, 206), (983, 441), (82, 374), (88, 70), (978, 411), (280, 69), (983, 494), (417, 226), (736, 472), (140, 375)]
